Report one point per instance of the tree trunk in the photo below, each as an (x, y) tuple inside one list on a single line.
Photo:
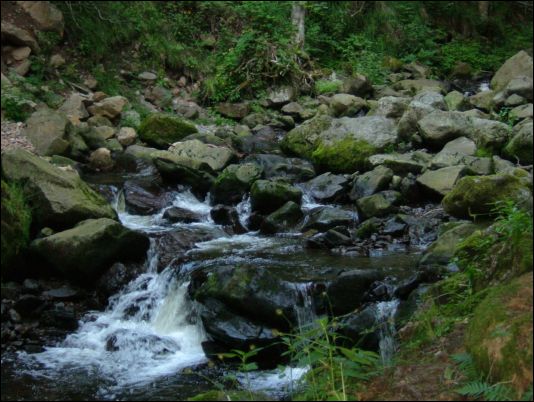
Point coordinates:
[(297, 18), (483, 10)]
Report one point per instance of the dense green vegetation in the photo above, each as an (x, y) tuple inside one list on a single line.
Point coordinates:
[(238, 49)]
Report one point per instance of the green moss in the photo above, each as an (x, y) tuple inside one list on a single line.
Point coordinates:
[(477, 195), (500, 334), (327, 86), (484, 153), (16, 220), (345, 156), (302, 140), (161, 130), (267, 196)]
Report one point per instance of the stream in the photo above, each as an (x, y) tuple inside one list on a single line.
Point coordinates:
[(147, 343)]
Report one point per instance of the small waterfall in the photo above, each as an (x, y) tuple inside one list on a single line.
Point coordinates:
[(304, 312), (147, 331), (385, 318), (243, 210)]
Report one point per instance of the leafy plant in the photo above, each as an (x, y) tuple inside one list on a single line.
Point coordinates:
[(333, 368)]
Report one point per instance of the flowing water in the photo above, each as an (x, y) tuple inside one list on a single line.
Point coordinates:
[(140, 345)]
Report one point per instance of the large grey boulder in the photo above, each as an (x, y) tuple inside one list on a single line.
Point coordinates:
[(379, 204), (326, 187), (346, 105), (440, 182), (84, 252), (217, 158), (108, 107), (519, 64), (59, 198), (490, 135), (439, 127), (391, 106), (47, 131)]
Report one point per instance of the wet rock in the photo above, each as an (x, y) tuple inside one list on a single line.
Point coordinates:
[(116, 277), (234, 182), (181, 215), (347, 291), (414, 162), (361, 328), (337, 237), (227, 216), (144, 197), (267, 196), (283, 219), (84, 252), (275, 166), (327, 187), (327, 217)]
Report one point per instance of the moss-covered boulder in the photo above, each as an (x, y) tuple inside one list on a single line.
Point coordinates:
[(301, 141), (442, 250), (233, 182), (182, 169), (349, 142), (494, 259), (16, 220), (283, 219), (58, 196), (477, 195), (520, 146), (216, 157), (499, 336), (379, 204), (345, 156), (267, 196), (84, 252), (161, 130)]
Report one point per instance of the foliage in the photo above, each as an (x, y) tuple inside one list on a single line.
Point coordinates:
[(335, 371), (16, 220), (239, 49), (327, 86), (15, 103), (506, 117), (477, 386)]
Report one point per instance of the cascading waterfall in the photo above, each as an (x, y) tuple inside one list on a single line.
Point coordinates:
[(145, 333), (385, 319)]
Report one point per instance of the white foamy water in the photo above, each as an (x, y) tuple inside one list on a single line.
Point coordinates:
[(156, 223), (385, 317), (144, 334)]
